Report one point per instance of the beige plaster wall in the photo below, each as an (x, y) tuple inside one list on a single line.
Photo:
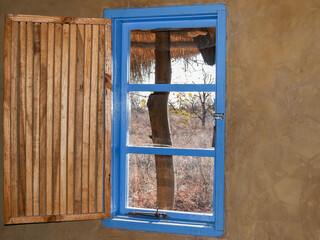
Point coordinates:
[(272, 123)]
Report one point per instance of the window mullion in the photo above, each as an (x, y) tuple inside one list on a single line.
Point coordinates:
[(172, 87), (171, 151)]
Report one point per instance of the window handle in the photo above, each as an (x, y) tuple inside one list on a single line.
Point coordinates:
[(157, 214), (219, 116)]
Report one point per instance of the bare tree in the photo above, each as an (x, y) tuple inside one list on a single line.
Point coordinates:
[(206, 101)]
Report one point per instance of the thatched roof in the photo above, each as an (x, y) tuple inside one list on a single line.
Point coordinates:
[(184, 43)]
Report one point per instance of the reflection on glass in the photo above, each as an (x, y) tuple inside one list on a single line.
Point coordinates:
[(189, 115), (193, 187), (191, 55)]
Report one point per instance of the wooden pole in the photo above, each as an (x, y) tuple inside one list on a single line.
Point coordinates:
[(158, 113)]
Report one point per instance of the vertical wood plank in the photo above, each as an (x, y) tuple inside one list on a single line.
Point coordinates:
[(6, 119), (93, 119), (43, 116), (100, 121), (107, 163), (56, 119), (29, 107), (22, 122), (79, 119), (64, 120), (36, 118), (71, 115), (49, 151), (86, 118), (14, 119)]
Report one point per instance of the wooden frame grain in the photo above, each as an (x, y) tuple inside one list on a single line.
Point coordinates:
[(6, 120), (56, 19)]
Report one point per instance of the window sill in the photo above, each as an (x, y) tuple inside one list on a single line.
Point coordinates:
[(165, 226)]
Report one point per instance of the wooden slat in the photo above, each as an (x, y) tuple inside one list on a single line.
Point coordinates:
[(54, 142), (36, 119), (71, 116), (22, 122), (86, 118), (43, 116), (108, 111), (57, 218), (55, 19), (29, 107), (49, 145), (56, 120), (100, 121), (64, 120), (14, 119), (93, 119), (79, 119), (6, 120)]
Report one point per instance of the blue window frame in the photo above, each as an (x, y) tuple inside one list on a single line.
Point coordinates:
[(123, 21)]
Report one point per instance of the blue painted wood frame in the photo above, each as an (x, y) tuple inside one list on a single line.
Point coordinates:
[(126, 28), (124, 20), (165, 11), (220, 108), (172, 87), (171, 151)]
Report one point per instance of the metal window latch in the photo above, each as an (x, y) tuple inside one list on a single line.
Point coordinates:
[(157, 214), (218, 116)]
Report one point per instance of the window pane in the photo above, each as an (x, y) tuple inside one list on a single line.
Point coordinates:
[(180, 119), (189, 54), (193, 184)]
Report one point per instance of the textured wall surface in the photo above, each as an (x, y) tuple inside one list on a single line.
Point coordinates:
[(272, 122)]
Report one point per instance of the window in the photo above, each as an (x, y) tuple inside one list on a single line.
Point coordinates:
[(151, 160), (155, 171)]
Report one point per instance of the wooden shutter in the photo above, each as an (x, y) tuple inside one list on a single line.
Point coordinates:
[(57, 111)]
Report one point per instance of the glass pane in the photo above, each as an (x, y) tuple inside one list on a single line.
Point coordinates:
[(193, 183), (187, 53), (180, 119)]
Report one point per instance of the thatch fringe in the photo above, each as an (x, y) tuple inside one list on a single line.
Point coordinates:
[(142, 50)]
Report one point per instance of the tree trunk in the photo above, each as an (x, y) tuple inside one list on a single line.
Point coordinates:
[(158, 113)]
